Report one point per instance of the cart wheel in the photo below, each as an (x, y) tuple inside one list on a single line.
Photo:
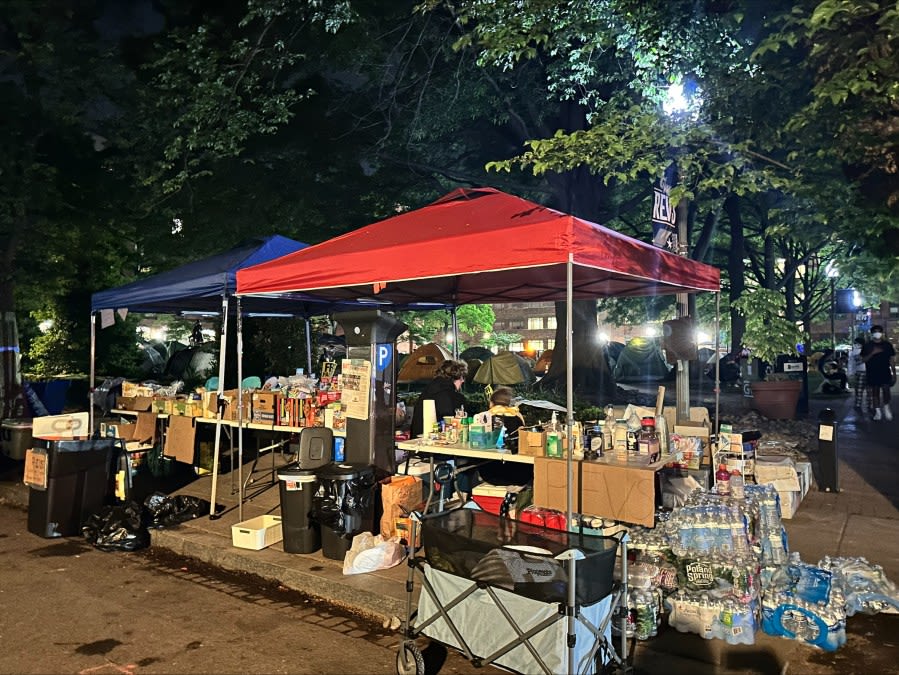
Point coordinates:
[(409, 659)]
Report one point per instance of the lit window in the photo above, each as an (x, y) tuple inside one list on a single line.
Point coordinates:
[(516, 347), (535, 323), (535, 345), (551, 322), (551, 344)]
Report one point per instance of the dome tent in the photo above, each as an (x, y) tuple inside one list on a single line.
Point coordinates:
[(641, 359), (504, 368), (422, 363)]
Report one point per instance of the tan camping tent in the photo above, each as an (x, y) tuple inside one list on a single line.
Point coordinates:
[(422, 363)]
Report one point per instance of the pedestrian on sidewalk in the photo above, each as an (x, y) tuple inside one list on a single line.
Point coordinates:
[(856, 368), (880, 369)]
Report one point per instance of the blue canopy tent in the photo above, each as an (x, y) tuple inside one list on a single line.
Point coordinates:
[(206, 286)]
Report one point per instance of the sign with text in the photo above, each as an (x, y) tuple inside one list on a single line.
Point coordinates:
[(356, 378)]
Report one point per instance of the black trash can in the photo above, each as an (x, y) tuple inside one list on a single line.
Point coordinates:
[(345, 506), (78, 485), (298, 488)]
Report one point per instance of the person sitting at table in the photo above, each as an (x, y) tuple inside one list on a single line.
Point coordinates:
[(444, 390), (502, 412)]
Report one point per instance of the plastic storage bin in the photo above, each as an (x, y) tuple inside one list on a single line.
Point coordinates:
[(257, 533), (78, 485), (15, 435)]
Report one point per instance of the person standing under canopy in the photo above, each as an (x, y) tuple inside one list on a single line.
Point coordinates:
[(445, 391)]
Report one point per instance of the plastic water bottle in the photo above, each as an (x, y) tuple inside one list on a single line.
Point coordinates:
[(737, 489)]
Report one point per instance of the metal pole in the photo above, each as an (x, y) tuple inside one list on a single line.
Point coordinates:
[(833, 331), (308, 346), (682, 381), (240, 419), (90, 390), (223, 351), (569, 387), (569, 396), (455, 332)]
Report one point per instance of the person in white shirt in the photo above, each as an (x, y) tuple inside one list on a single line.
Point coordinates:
[(856, 368)]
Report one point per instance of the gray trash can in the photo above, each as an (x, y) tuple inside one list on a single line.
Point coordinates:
[(15, 435)]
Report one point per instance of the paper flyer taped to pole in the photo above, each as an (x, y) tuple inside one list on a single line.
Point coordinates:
[(356, 378)]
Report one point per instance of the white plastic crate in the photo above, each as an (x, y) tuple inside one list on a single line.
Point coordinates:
[(257, 533)]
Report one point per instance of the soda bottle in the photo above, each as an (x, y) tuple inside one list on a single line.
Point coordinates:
[(722, 480)]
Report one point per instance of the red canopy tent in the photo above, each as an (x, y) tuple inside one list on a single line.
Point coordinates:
[(481, 246), (478, 246)]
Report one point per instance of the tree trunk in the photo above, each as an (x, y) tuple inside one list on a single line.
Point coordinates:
[(735, 269)]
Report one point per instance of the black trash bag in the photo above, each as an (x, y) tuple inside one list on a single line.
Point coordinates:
[(119, 527), (326, 512), (165, 510), (359, 494)]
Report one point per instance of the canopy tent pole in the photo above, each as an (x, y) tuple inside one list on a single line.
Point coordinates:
[(455, 331), (569, 385), (308, 346), (569, 397), (717, 359), (92, 376), (240, 420), (219, 407)]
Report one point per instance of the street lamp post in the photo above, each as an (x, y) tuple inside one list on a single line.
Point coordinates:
[(832, 273)]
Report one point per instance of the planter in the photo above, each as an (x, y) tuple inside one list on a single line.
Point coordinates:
[(776, 400)]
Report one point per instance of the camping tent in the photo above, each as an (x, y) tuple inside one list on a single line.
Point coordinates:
[(478, 246), (504, 368), (422, 363), (641, 360)]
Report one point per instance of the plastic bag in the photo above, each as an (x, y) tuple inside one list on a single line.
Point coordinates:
[(370, 552), (165, 510), (117, 528)]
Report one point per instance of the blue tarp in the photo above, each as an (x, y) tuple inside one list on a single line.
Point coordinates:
[(199, 286)]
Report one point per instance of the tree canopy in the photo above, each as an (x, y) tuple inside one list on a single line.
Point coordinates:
[(141, 135)]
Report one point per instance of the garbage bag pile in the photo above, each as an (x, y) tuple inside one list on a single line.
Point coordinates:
[(125, 527)]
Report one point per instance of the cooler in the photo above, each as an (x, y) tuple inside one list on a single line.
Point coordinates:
[(15, 437), (491, 497)]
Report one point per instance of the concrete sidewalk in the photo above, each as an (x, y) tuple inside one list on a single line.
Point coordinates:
[(860, 520)]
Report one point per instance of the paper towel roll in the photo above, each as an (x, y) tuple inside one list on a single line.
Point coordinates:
[(428, 416)]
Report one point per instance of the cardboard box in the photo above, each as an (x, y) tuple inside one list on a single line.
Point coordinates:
[(804, 473), (209, 404), (123, 430), (789, 503), (257, 533), (532, 443), (71, 425), (163, 405), (780, 473), (231, 405), (265, 406), (611, 490), (36, 466)]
